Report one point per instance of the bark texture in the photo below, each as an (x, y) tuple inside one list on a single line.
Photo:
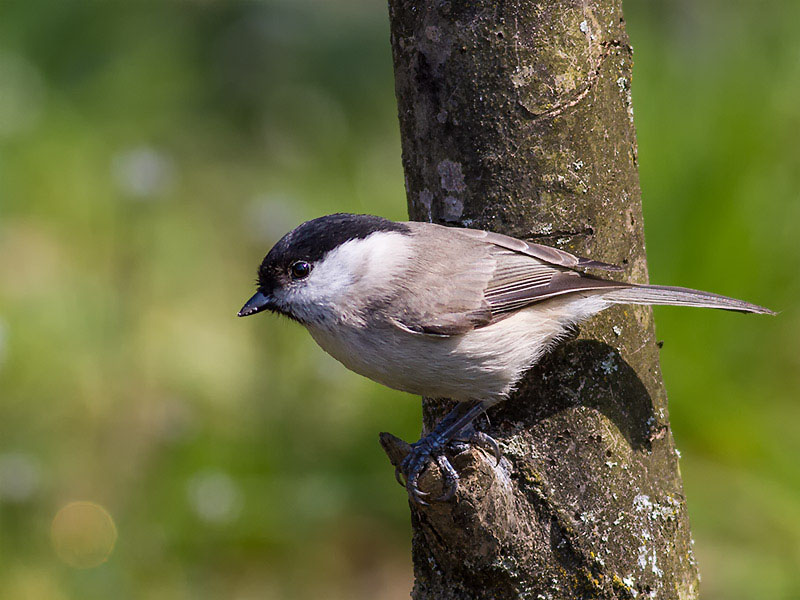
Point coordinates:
[(516, 117)]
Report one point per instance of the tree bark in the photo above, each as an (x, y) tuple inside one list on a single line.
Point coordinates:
[(516, 117)]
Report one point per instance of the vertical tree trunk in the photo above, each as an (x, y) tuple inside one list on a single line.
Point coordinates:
[(516, 117)]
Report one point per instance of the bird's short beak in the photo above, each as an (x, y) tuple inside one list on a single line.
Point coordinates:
[(256, 304)]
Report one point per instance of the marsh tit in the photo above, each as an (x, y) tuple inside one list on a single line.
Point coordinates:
[(441, 312)]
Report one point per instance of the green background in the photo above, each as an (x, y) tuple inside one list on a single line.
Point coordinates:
[(150, 153)]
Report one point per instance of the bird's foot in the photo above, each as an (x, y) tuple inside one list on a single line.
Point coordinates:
[(433, 448)]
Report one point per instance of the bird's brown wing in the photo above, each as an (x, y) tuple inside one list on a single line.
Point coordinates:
[(549, 255), (442, 292), (464, 279), (520, 280)]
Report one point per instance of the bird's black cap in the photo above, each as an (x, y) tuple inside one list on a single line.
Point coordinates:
[(314, 239)]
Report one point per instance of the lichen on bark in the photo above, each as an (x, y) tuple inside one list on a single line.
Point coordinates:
[(516, 117)]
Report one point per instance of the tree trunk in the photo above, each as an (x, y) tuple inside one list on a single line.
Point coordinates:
[(516, 117)]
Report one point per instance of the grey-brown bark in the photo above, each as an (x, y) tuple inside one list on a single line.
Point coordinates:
[(516, 117)]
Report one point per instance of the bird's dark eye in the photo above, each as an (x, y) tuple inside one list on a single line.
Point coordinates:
[(300, 269)]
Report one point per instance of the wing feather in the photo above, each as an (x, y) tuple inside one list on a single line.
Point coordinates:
[(554, 256), (487, 278), (520, 280), (448, 279)]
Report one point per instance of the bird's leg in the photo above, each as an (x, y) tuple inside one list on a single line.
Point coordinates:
[(432, 447)]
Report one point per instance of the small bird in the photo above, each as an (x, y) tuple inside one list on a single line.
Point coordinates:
[(442, 312)]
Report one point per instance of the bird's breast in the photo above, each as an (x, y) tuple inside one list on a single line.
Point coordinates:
[(476, 365)]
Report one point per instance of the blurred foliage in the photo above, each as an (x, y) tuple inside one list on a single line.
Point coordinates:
[(151, 152)]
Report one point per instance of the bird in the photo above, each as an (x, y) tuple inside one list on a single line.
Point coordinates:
[(442, 312)]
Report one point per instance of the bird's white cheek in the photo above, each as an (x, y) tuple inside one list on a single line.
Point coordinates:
[(348, 275), (324, 292), (317, 298), (327, 284)]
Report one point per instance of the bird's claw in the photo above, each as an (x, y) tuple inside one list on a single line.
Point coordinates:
[(413, 465), (487, 442), (426, 451), (450, 476)]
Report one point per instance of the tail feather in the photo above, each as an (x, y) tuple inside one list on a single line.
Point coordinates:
[(678, 296)]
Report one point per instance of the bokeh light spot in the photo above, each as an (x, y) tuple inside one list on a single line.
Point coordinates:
[(215, 497), (142, 173), (20, 477), (83, 534)]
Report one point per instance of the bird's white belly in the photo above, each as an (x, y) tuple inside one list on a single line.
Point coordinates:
[(484, 364)]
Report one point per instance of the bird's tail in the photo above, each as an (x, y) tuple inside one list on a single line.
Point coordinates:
[(678, 296)]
